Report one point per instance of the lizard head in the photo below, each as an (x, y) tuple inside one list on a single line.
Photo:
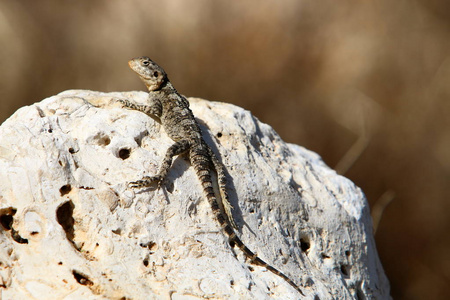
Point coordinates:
[(150, 73)]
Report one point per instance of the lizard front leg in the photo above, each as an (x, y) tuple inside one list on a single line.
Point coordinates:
[(152, 109), (176, 149)]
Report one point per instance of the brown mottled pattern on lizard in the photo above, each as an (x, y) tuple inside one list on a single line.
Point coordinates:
[(179, 123)]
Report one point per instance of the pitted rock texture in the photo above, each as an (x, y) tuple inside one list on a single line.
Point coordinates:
[(70, 228)]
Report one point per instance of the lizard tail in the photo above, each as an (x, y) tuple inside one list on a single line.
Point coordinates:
[(205, 178), (254, 257)]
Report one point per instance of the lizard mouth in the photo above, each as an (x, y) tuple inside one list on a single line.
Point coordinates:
[(135, 67)]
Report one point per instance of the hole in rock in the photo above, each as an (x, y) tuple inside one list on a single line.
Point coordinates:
[(124, 153), (103, 140), (138, 140), (87, 188), (150, 245), (6, 221), (145, 262), (304, 244), (117, 231), (65, 189), (6, 217), (16, 237), (345, 270), (64, 215), (81, 279)]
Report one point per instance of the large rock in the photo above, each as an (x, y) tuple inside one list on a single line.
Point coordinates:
[(71, 229)]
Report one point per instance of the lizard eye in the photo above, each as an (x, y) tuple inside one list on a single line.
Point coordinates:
[(155, 74), (145, 62)]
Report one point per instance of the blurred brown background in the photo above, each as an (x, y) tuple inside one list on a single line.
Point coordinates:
[(366, 84)]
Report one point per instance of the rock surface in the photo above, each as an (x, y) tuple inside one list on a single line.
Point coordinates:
[(70, 228)]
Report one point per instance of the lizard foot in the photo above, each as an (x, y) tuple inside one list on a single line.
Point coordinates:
[(228, 208), (146, 182)]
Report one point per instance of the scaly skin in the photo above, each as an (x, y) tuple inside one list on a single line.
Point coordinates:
[(179, 123)]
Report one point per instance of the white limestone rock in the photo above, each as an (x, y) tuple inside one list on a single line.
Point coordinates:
[(71, 229)]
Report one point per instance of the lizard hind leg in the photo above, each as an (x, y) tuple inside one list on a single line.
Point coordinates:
[(176, 149), (146, 181), (222, 182)]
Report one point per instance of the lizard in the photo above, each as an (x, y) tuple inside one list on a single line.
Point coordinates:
[(178, 121)]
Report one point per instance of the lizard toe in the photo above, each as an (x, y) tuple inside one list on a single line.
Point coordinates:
[(146, 182)]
